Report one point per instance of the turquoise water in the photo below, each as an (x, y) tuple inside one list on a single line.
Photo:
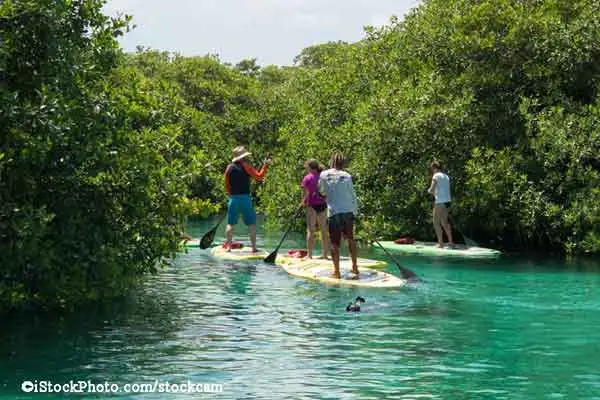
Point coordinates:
[(512, 329)]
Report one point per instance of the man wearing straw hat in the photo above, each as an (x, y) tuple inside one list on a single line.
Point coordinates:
[(237, 185)]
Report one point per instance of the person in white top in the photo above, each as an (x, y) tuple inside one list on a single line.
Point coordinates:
[(336, 186), (440, 188)]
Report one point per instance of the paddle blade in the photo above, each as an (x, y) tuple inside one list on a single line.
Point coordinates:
[(469, 242), (270, 259), (406, 273), (209, 236), (207, 239)]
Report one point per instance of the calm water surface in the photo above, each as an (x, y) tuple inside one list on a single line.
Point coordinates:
[(507, 329)]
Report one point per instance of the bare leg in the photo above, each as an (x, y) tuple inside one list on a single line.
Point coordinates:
[(438, 226), (252, 234), (335, 256), (229, 235), (336, 239), (446, 225), (353, 255), (311, 222), (322, 218)]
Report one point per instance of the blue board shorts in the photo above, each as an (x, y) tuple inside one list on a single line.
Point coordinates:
[(240, 203)]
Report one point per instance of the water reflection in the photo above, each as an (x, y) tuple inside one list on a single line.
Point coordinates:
[(85, 343), (471, 331)]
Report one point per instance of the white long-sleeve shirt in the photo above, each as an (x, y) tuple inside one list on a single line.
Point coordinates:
[(336, 185)]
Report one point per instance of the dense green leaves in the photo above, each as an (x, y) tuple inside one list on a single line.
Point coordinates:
[(102, 155), (503, 92), (92, 175)]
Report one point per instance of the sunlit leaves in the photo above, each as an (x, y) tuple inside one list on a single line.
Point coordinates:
[(92, 176)]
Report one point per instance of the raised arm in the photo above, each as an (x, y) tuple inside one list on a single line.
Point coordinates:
[(258, 175)]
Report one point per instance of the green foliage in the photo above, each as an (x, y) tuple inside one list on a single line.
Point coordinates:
[(92, 173), (103, 155), (201, 208), (320, 55), (221, 108), (505, 93)]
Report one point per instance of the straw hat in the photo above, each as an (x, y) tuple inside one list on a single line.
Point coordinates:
[(239, 153)]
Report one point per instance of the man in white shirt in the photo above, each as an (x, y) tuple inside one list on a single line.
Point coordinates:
[(336, 185), (440, 188)]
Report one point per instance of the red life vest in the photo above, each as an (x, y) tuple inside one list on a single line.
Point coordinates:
[(404, 240), (297, 253), (234, 245)]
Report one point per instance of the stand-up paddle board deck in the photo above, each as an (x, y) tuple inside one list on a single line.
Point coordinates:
[(316, 269), (362, 262), (217, 251), (243, 254), (246, 254), (430, 249), (321, 271)]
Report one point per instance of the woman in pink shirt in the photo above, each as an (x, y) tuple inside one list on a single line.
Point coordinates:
[(316, 208)]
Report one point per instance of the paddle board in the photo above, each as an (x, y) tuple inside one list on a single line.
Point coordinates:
[(321, 270), (192, 243), (217, 251), (430, 249), (316, 269), (284, 259), (243, 254)]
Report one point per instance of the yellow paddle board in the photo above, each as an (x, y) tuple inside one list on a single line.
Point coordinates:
[(284, 259), (191, 243), (243, 254), (321, 271)]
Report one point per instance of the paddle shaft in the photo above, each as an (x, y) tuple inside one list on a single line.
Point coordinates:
[(271, 257), (468, 242), (209, 236), (284, 236), (406, 273)]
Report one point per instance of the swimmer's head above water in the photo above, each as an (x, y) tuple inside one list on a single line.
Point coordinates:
[(355, 307)]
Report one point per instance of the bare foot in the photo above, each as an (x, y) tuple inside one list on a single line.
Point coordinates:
[(439, 246), (254, 250), (355, 271), (335, 276)]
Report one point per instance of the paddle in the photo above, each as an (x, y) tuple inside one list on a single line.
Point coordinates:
[(270, 259), (468, 242), (209, 236), (405, 272)]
